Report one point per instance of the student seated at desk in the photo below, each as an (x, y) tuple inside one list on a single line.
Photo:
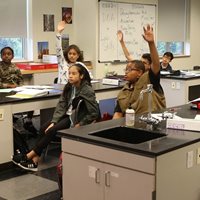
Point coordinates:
[(166, 59), (11, 77), (146, 57), (78, 88), (137, 81)]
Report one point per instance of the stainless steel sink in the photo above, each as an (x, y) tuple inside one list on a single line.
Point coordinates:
[(128, 135)]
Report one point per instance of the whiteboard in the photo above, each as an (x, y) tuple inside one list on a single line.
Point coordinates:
[(128, 17)]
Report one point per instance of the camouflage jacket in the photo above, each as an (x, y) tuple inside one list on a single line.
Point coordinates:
[(10, 74)]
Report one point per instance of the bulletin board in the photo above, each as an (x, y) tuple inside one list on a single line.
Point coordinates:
[(128, 17)]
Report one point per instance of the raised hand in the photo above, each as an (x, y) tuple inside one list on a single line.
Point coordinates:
[(61, 26), (148, 33), (120, 35)]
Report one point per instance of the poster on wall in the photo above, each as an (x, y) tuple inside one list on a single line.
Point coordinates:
[(43, 49), (48, 23), (67, 15), (65, 42)]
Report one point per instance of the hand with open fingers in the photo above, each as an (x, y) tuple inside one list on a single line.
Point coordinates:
[(61, 26), (148, 33)]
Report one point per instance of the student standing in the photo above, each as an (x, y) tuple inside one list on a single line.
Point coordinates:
[(70, 56), (166, 59), (77, 88), (137, 79)]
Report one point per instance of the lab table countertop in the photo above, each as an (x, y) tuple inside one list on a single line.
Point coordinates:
[(174, 139)]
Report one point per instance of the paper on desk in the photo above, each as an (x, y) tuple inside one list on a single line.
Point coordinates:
[(39, 87), (6, 90), (29, 93)]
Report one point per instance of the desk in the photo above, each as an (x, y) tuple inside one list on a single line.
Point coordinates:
[(110, 168), (39, 77), (10, 106), (180, 89)]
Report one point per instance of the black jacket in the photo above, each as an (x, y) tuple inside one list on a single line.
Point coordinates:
[(89, 108)]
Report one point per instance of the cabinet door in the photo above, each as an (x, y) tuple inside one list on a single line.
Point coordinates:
[(82, 178), (121, 183)]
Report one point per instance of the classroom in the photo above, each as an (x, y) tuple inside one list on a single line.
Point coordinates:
[(106, 159)]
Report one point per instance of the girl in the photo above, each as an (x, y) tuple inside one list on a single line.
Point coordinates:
[(78, 88), (65, 59)]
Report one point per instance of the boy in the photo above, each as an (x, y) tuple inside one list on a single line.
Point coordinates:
[(166, 59), (11, 77)]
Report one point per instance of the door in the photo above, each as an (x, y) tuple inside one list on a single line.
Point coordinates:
[(122, 183), (82, 178)]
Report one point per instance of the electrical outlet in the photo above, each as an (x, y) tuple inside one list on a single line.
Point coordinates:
[(198, 155), (190, 157), (178, 85), (173, 85), (1, 114)]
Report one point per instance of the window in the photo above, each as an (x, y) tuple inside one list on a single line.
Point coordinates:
[(173, 26), (177, 48), (16, 44), (13, 25)]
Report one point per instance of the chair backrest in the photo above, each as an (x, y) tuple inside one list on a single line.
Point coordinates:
[(55, 80), (196, 67)]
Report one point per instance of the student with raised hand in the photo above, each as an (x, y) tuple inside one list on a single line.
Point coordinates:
[(138, 79), (70, 56), (10, 75), (146, 58), (166, 59), (78, 88)]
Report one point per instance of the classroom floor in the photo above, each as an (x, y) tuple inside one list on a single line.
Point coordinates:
[(18, 184)]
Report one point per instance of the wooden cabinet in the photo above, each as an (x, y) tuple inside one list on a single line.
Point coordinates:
[(96, 179)]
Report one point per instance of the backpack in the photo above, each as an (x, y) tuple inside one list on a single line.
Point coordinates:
[(19, 142)]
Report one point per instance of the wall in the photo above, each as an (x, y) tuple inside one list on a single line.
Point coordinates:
[(84, 31), (88, 27), (50, 7), (194, 59)]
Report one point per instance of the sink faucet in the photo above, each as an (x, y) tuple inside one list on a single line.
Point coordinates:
[(149, 119)]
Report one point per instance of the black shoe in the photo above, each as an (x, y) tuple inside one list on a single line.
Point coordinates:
[(29, 165), (19, 158), (29, 127)]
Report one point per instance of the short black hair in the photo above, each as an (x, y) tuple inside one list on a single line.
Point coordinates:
[(138, 64), (2, 50), (169, 54), (147, 56)]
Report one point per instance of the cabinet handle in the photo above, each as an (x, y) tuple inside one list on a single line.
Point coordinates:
[(107, 179), (97, 176)]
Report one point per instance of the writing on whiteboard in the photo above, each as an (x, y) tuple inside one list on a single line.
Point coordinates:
[(128, 17)]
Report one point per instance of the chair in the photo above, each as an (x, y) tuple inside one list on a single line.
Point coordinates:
[(196, 67), (74, 119)]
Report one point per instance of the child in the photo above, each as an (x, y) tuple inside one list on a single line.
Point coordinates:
[(166, 59), (77, 88), (65, 59), (10, 75), (146, 57), (137, 79)]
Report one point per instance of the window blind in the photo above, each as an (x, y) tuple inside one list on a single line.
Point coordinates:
[(172, 20), (13, 21)]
